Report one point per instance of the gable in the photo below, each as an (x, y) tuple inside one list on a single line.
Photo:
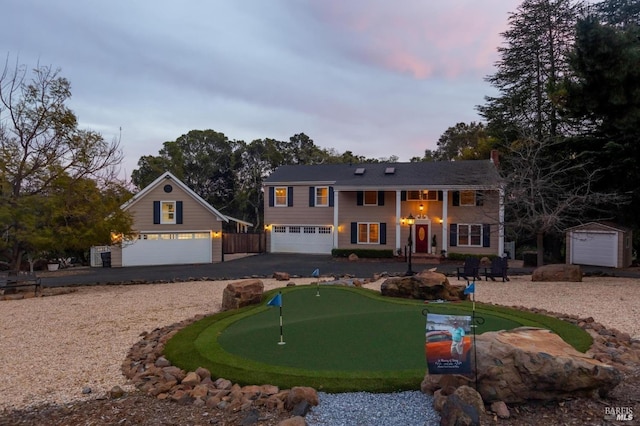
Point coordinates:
[(190, 211)]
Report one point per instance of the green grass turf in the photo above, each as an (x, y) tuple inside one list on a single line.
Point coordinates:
[(347, 339)]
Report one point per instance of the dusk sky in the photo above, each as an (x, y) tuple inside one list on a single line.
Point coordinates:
[(374, 77)]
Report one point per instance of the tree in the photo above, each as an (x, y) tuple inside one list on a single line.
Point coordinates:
[(546, 193), (464, 142), (551, 183), (532, 64), (603, 92), (42, 151)]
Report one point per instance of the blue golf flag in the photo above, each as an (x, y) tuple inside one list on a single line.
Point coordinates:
[(276, 301), (315, 273), (471, 288)]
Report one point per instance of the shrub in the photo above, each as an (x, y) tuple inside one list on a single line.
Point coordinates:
[(363, 253)]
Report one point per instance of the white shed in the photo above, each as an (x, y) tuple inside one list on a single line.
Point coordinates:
[(599, 244)]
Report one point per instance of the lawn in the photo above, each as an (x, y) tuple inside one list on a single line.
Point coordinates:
[(346, 339)]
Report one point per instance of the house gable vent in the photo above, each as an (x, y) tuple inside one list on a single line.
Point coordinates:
[(359, 171), (390, 171)]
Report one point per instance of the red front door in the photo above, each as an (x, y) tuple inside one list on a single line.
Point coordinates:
[(422, 238)]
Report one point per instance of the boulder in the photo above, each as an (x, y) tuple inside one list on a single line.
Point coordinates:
[(529, 363), (427, 285), (299, 394), (462, 407), (242, 293), (281, 276), (557, 272)]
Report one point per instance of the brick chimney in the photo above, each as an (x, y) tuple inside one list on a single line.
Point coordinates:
[(495, 157)]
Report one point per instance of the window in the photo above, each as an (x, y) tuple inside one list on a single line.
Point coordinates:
[(280, 229), (467, 198), (368, 233), (422, 195), (370, 198), (281, 196), (168, 211), (309, 229), (470, 235), (294, 229), (324, 230), (322, 196)]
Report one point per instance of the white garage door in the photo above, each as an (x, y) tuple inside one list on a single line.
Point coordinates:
[(169, 248), (311, 239), (594, 248)]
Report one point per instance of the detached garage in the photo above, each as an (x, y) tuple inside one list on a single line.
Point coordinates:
[(599, 244), (173, 225)]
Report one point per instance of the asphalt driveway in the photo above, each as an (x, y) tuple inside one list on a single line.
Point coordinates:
[(262, 265)]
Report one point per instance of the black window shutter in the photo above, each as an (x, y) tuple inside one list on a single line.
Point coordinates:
[(486, 235), (290, 196), (354, 232), (381, 198), (383, 233), (179, 212), (455, 201), (453, 234), (271, 196), (479, 198), (156, 212), (360, 198), (312, 196), (403, 195), (440, 196), (331, 196)]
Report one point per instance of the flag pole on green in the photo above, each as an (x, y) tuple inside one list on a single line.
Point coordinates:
[(316, 274), (277, 301)]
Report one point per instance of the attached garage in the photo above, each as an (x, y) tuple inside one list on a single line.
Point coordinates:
[(168, 248), (599, 244), (312, 239)]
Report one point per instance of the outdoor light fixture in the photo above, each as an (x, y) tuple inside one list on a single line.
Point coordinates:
[(421, 210), (410, 221)]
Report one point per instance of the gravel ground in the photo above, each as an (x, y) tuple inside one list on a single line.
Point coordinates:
[(75, 339)]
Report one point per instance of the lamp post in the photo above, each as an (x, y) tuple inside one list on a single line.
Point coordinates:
[(410, 222)]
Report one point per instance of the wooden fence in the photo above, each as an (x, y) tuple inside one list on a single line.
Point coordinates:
[(244, 243)]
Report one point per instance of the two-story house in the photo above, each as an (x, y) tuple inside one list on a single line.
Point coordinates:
[(457, 207)]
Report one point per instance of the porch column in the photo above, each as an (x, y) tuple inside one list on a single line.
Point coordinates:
[(445, 221), (398, 212), (336, 197)]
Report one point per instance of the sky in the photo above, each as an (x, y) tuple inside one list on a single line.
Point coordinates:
[(374, 77)]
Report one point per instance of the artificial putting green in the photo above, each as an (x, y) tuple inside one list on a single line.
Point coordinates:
[(338, 330), (346, 339)]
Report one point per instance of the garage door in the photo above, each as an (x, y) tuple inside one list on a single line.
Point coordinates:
[(301, 239), (168, 249), (594, 248)]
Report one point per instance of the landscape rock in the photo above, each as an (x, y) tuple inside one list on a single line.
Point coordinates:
[(281, 276), (427, 285), (527, 364), (299, 394), (557, 273), (501, 409), (457, 412), (242, 293), (353, 257)]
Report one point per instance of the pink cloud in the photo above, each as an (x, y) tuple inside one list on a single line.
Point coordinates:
[(422, 39)]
